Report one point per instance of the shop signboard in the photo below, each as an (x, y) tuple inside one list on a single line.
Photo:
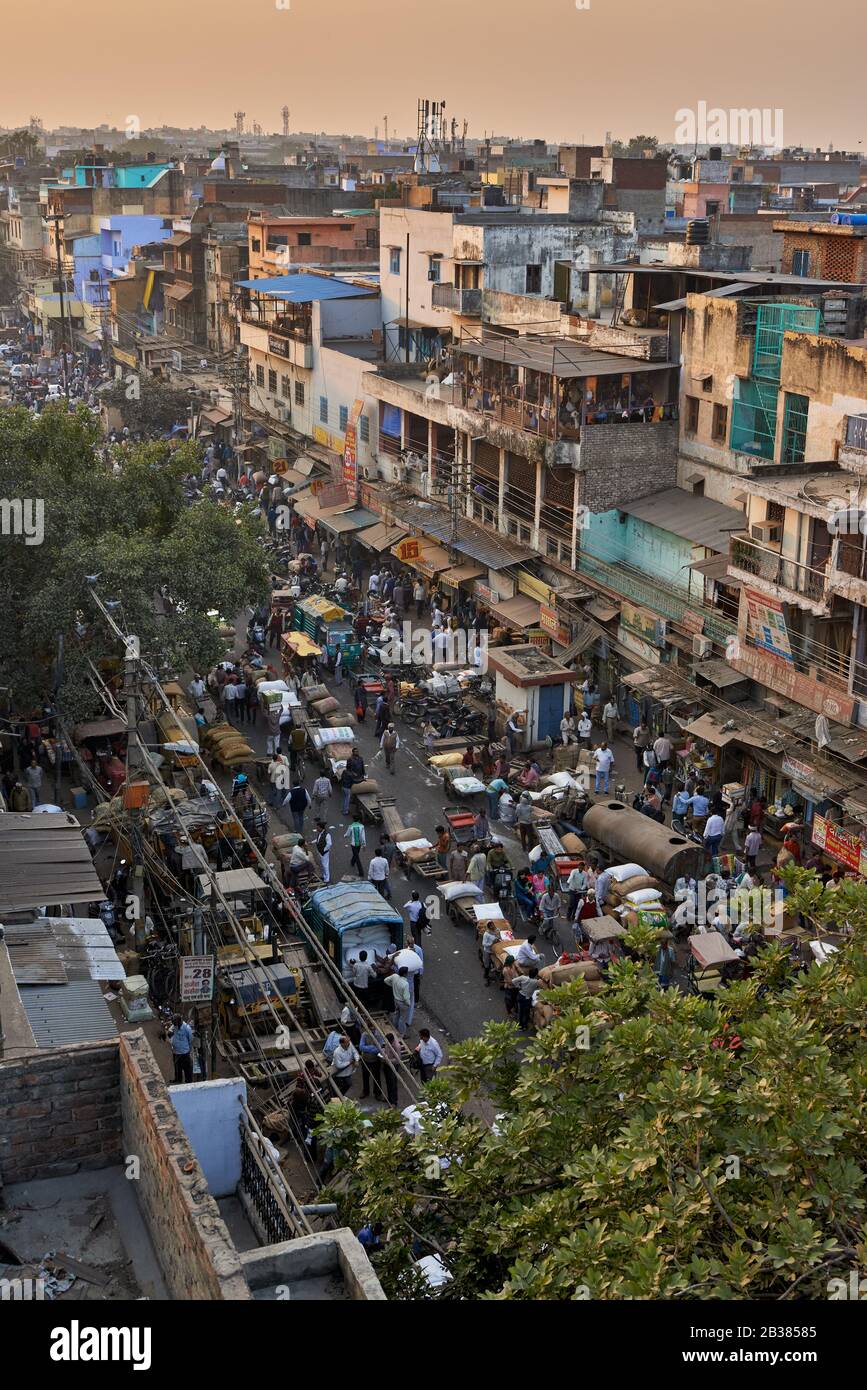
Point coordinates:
[(350, 446), (408, 550), (848, 849), (781, 676), (643, 623), (550, 621), (486, 593), (538, 637)]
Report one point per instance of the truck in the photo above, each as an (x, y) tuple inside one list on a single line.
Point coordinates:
[(352, 916)]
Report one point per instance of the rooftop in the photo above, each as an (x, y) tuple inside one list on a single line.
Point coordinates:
[(697, 519), (560, 357), (304, 289)]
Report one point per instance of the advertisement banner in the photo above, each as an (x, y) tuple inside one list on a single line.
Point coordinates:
[(846, 848), (350, 446), (782, 677), (197, 979), (766, 624), (550, 621), (643, 623)]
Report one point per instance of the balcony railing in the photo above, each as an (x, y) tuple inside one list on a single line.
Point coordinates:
[(769, 565), (459, 301)]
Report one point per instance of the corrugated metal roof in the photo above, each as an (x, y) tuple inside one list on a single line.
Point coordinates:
[(72, 1013), (304, 289), (557, 356), (44, 860), (696, 519)]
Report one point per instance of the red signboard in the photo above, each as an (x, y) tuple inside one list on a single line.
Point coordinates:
[(409, 549), (550, 621), (350, 446), (846, 848), (781, 676)]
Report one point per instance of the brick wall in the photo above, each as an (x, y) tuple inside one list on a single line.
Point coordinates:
[(60, 1111), (195, 1251), (620, 463)]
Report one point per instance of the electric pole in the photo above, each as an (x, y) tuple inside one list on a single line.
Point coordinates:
[(56, 219)]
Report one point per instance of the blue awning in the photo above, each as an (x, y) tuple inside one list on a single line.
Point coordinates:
[(304, 289)]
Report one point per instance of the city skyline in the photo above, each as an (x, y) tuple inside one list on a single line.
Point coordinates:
[(626, 79)]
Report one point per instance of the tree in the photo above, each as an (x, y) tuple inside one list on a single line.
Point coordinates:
[(698, 1148), (634, 147), (137, 533), (145, 405)]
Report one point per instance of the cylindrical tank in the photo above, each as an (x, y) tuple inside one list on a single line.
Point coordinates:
[(628, 836)]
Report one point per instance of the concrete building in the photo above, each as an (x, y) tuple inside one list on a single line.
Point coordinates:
[(276, 244)]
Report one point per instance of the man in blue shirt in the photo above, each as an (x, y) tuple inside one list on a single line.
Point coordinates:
[(182, 1049), (699, 804)]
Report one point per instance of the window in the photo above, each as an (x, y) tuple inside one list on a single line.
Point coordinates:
[(800, 262), (711, 208), (692, 404), (718, 426), (260, 374), (394, 260), (323, 410), (534, 279), (256, 244), (285, 387), (344, 418), (299, 393), (433, 269), (305, 239), (795, 428), (698, 488), (272, 382), (775, 511), (364, 429)]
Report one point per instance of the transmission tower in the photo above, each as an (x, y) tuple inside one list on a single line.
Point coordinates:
[(239, 123), (285, 114)]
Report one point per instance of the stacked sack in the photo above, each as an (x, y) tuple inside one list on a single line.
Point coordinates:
[(633, 892), (227, 745)]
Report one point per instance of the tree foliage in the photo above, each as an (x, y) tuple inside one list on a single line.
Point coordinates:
[(145, 405), (699, 1148), (136, 532), (634, 147)]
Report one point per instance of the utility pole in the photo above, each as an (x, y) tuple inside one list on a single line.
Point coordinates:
[(58, 681), (406, 317), (56, 219)]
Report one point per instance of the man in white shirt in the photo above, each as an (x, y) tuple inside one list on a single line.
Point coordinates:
[(662, 749), (344, 1061), (389, 743), (230, 696), (324, 842), (567, 729), (585, 729), (713, 833), (603, 759), (197, 692), (609, 715), (362, 974), (377, 873), (278, 776), (414, 909), (430, 1054), (400, 988), (527, 956), (373, 583)]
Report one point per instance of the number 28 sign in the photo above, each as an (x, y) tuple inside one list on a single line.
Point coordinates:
[(197, 979)]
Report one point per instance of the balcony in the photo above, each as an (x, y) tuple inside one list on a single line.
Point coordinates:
[(279, 338), (772, 572), (466, 302)]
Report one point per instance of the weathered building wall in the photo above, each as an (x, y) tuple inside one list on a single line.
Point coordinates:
[(195, 1251), (833, 374), (60, 1111), (621, 463)]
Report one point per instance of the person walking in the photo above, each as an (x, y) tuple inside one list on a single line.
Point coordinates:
[(418, 594), (278, 778), (377, 873), (324, 842), (321, 795), (402, 996), (430, 1055), (389, 1056), (181, 1041), (389, 743), (609, 718), (230, 691), (640, 741), (526, 986), (344, 1063), (297, 802), (662, 751), (33, 776), (584, 729), (477, 867), (338, 666), (524, 820), (753, 846), (370, 1047), (714, 830), (196, 690), (355, 834), (415, 911), (413, 946), (490, 937), (456, 865), (241, 700), (603, 759), (383, 718), (514, 733)]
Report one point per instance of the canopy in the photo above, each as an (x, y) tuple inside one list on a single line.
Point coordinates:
[(519, 612), (461, 574), (431, 559), (711, 948), (355, 520), (382, 536), (300, 644)]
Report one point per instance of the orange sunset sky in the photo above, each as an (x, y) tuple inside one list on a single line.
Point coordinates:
[(529, 68)]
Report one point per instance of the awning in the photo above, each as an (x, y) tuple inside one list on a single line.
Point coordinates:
[(461, 574), (309, 508), (178, 291), (99, 728), (432, 559), (603, 609), (216, 416), (710, 730), (719, 673), (518, 612), (305, 464), (44, 859), (713, 566), (381, 536), (355, 520)]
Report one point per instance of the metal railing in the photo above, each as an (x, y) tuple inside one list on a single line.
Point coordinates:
[(277, 1211), (459, 301), (856, 432), (764, 563)]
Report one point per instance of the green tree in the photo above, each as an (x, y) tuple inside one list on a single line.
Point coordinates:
[(136, 532), (634, 147), (146, 405), (697, 1148)]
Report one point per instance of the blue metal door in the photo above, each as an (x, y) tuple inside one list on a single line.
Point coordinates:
[(550, 711)]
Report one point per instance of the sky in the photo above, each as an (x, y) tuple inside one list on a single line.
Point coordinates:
[(527, 68)]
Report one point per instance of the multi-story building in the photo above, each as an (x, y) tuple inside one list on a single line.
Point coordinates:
[(277, 244)]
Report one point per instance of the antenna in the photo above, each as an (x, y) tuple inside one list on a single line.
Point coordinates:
[(385, 118), (239, 123)]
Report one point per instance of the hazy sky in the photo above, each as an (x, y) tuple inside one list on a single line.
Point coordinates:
[(523, 67)]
